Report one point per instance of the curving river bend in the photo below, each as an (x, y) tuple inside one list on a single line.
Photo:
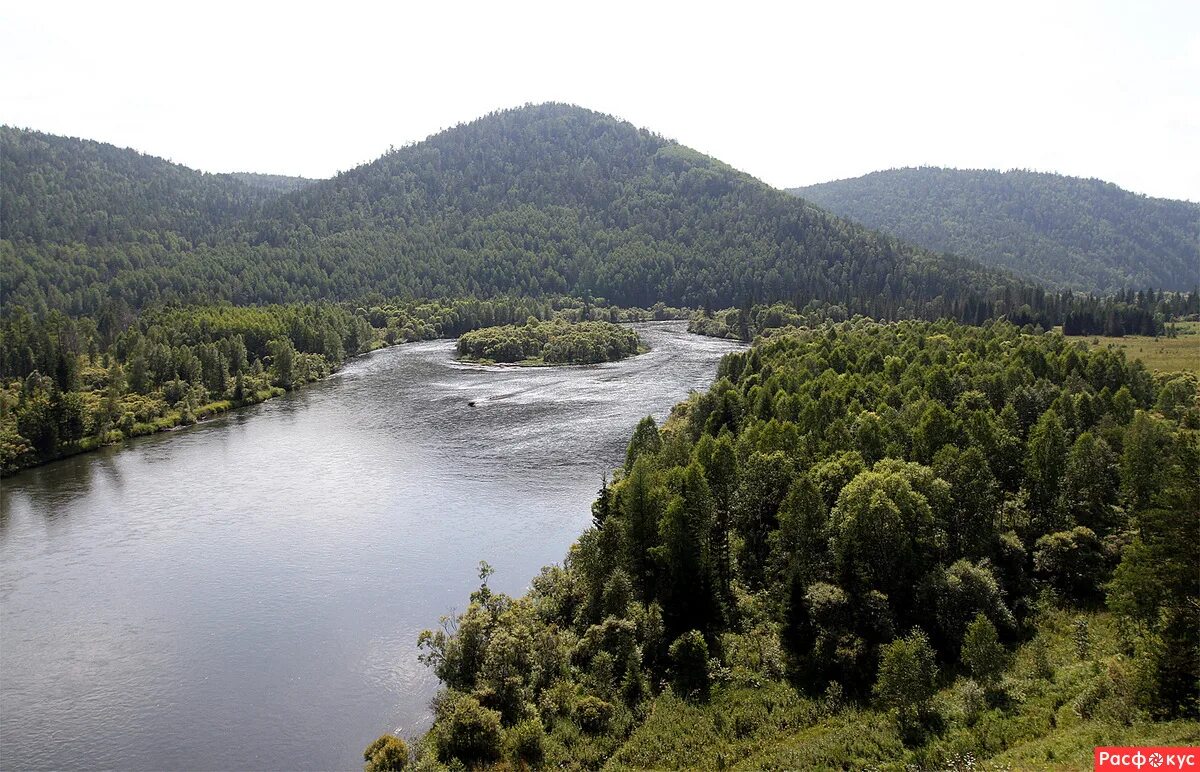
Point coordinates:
[(246, 594)]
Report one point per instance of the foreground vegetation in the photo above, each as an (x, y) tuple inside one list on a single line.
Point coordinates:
[(866, 545), (550, 343)]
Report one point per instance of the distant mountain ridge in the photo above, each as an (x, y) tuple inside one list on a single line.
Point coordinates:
[(1082, 234), (538, 200), (68, 190)]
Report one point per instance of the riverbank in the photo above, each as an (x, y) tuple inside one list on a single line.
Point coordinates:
[(737, 555), (140, 415), (170, 420), (72, 385)]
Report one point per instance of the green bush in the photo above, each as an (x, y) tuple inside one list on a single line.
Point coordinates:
[(982, 653), (526, 743), (593, 714), (689, 665), (907, 678), (469, 733), (387, 754)]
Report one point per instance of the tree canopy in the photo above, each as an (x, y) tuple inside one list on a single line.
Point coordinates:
[(866, 513)]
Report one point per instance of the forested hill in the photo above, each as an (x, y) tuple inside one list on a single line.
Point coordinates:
[(1082, 234), (531, 201), (66, 190)]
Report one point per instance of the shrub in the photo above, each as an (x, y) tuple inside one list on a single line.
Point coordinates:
[(689, 665), (387, 754), (907, 678), (469, 732), (982, 653), (526, 743), (1073, 562), (593, 714)]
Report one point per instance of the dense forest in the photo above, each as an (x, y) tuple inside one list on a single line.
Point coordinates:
[(540, 200), (61, 190), (401, 321), (866, 545), (1144, 312), (1081, 234), (554, 342), (70, 385)]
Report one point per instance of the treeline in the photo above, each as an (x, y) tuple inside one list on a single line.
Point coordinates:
[(864, 514), (550, 342), (1083, 234), (73, 384), (1143, 312)]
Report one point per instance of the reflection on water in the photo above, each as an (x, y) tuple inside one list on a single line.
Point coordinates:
[(247, 593)]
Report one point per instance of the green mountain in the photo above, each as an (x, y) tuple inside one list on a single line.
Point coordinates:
[(1075, 233), (67, 190), (538, 200)]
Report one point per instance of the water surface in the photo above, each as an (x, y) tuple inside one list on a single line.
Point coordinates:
[(246, 594)]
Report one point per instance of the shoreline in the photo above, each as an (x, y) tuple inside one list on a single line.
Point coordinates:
[(173, 421)]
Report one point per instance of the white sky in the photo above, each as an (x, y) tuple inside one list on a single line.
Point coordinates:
[(792, 92)]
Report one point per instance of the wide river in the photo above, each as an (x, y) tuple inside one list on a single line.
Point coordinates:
[(247, 593)]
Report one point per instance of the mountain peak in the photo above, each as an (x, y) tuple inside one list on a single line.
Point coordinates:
[(544, 199)]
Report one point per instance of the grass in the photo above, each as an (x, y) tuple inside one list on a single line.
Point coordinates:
[(1045, 715), (1071, 748), (1163, 354)]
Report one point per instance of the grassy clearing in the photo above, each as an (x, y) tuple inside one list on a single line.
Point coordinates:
[(1163, 354)]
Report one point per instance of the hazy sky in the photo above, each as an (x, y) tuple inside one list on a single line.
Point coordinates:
[(793, 93)]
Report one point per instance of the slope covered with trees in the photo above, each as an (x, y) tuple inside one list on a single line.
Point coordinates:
[(1082, 234), (63, 190), (866, 545), (548, 199)]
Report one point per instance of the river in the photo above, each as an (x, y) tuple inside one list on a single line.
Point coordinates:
[(247, 593)]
